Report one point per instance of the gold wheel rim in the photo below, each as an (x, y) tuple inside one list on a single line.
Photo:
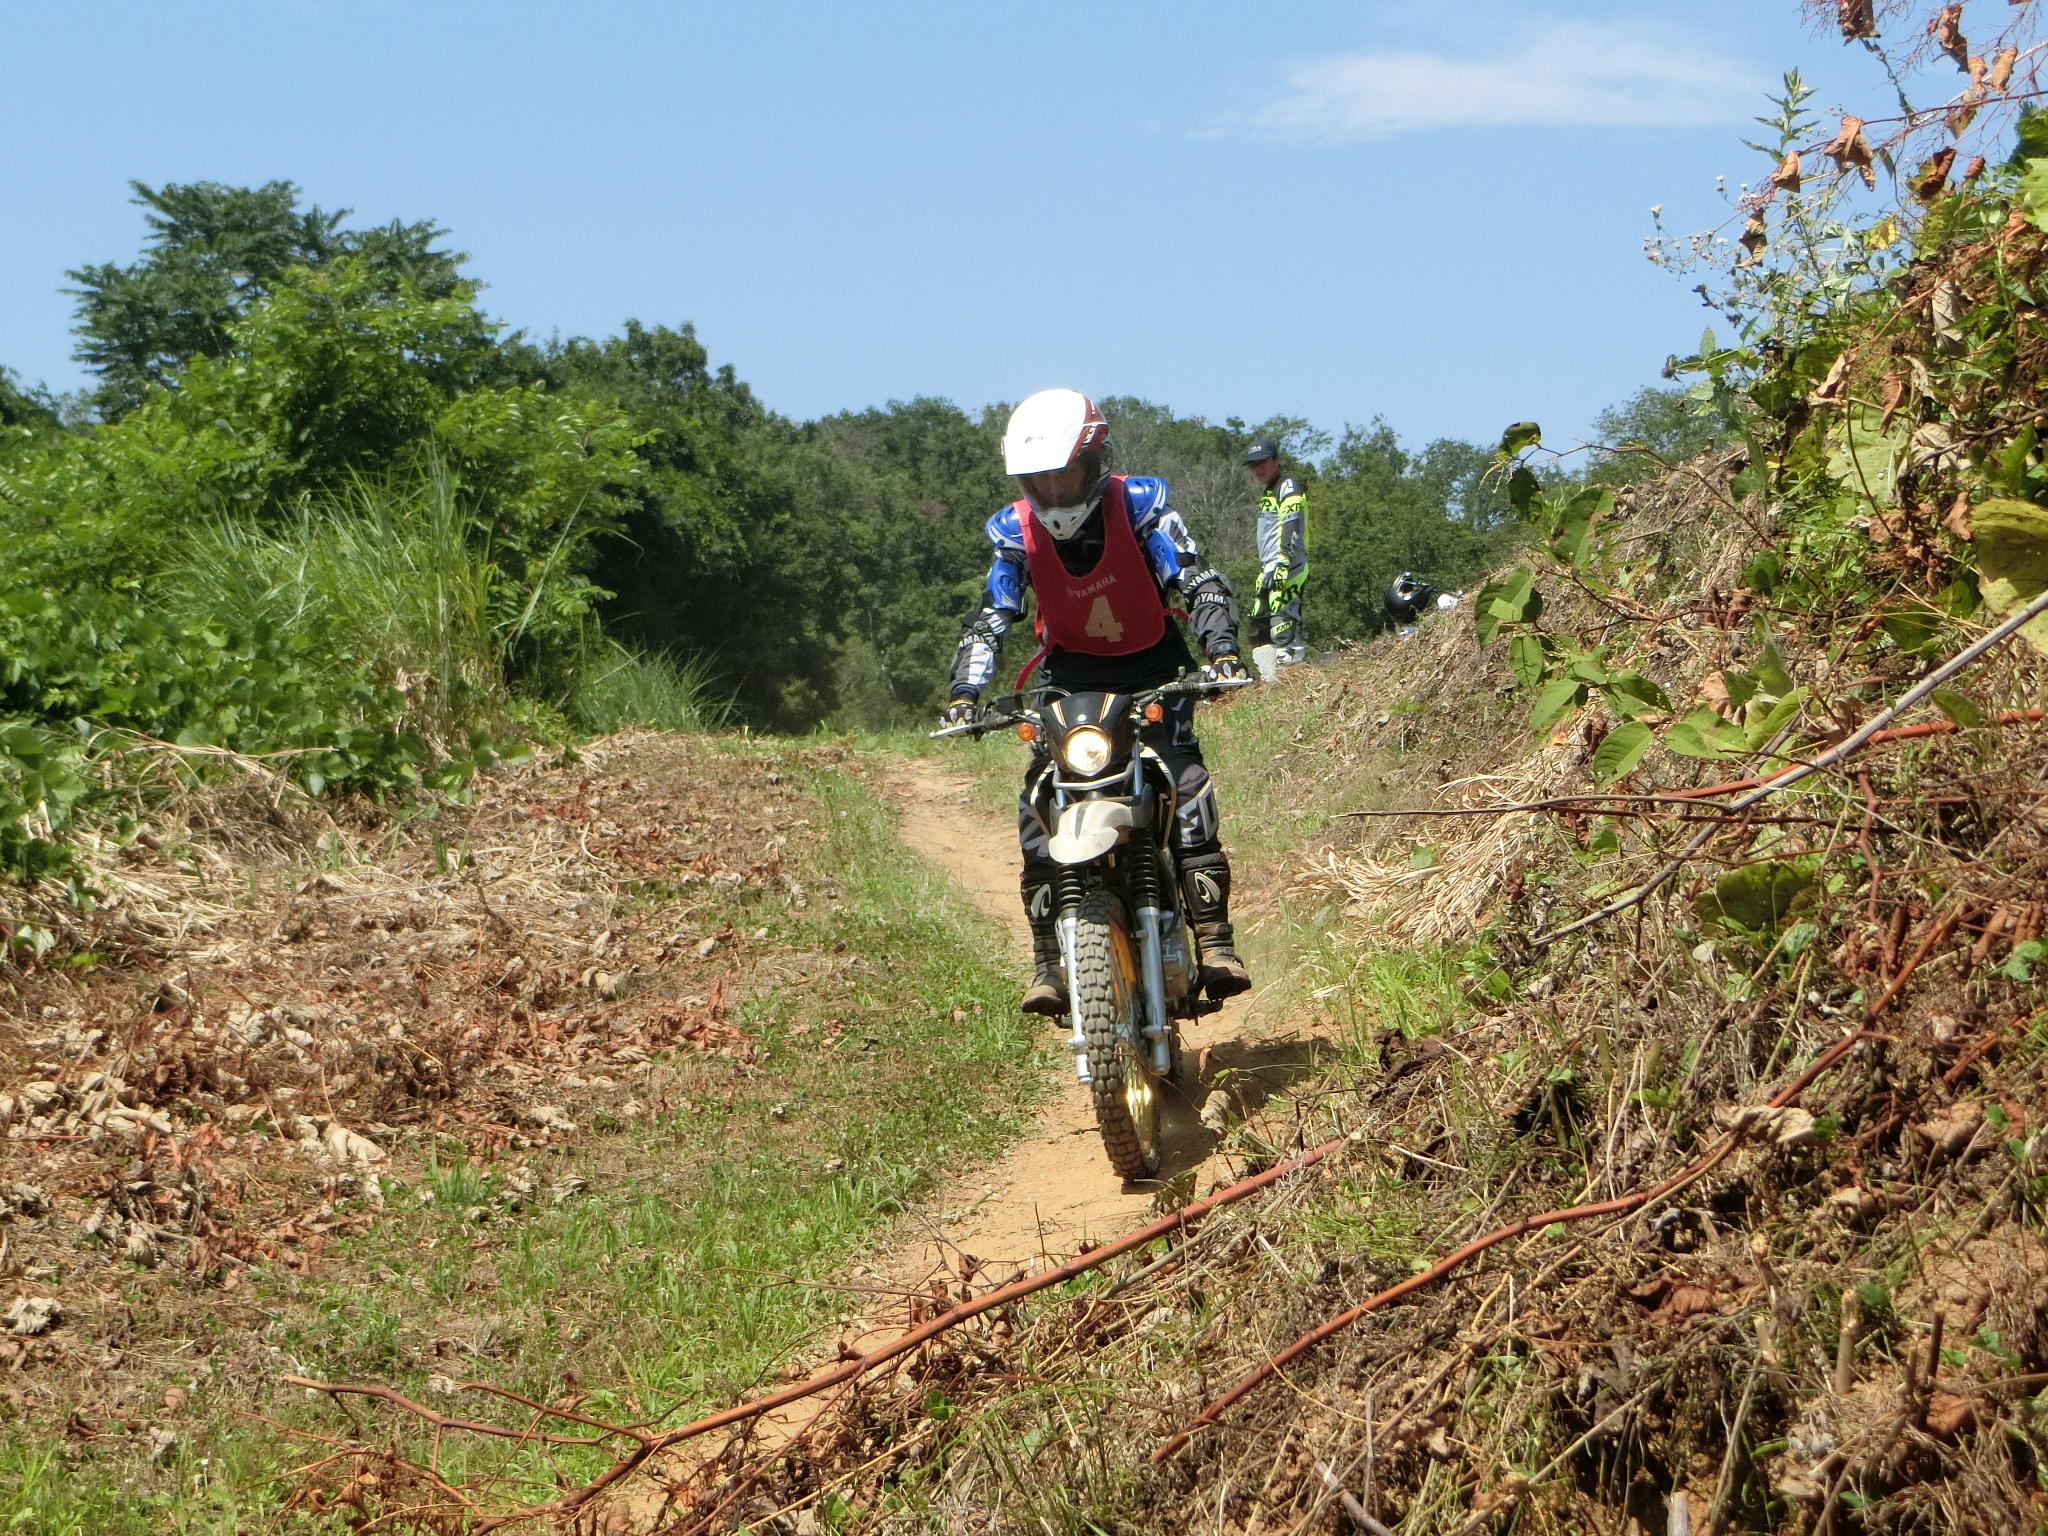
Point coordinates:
[(1141, 1102)]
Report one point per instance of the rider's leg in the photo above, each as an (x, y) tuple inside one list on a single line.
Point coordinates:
[(1287, 627), (1047, 993), (1198, 847)]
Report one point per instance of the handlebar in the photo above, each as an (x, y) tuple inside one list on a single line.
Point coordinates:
[(999, 714)]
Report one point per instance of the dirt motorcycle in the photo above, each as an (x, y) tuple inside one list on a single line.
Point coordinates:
[(1133, 964)]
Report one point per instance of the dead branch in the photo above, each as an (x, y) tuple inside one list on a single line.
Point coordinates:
[(1855, 742), (1621, 1206), (652, 1444), (1691, 797), (442, 1421)]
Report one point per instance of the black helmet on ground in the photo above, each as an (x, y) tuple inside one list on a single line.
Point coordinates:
[(1409, 597)]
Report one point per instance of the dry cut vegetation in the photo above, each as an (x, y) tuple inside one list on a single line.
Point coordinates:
[(509, 1090), (1725, 1214)]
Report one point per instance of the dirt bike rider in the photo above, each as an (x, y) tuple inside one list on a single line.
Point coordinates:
[(1102, 552)]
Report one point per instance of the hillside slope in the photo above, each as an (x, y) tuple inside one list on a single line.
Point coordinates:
[(1724, 1212)]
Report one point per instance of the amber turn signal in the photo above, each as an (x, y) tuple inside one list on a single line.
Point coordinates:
[(1155, 712), (1027, 732)]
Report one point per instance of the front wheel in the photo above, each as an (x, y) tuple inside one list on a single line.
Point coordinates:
[(1108, 995)]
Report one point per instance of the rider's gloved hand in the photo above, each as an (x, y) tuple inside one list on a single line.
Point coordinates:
[(960, 712), (1227, 668)]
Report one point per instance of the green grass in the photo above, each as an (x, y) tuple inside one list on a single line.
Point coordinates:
[(389, 573), (615, 688), (700, 1258)]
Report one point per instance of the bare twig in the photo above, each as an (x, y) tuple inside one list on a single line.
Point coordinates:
[(1348, 1502), (1622, 1206), (1847, 747), (652, 1444)]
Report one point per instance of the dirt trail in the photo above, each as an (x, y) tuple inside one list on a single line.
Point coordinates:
[(1054, 1189)]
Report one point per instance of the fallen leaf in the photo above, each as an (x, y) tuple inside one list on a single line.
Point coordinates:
[(1754, 238), (1948, 1415), (1894, 396), (1950, 1134), (1687, 1301), (1957, 521), (1964, 112), (31, 1317), (1830, 387)]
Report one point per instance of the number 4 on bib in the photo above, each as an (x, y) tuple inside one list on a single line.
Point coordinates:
[(1102, 624)]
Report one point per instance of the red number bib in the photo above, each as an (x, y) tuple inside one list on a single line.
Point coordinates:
[(1114, 609)]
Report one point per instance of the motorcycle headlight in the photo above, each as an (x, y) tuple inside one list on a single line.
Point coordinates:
[(1086, 751)]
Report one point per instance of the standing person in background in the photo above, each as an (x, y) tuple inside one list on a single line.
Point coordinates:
[(1283, 557)]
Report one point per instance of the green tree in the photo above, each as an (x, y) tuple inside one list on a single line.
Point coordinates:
[(340, 375), (213, 253), (24, 407), (1648, 432), (1438, 513)]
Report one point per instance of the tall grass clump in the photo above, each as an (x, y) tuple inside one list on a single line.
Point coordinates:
[(614, 688), (382, 572)]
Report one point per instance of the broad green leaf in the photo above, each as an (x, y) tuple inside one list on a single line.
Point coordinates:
[(1519, 436), (1525, 491), (1605, 838), (1914, 630), (1773, 680), (1485, 617), (1864, 455), (1631, 693), (1620, 750), (1740, 687), (1703, 734), (1527, 661), (1589, 667), (1575, 521), (2011, 476), (1959, 707), (1759, 897), (1767, 723), (2012, 553), (1514, 600), (2033, 192), (1559, 696)]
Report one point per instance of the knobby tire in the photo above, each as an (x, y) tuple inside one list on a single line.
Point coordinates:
[(1106, 985)]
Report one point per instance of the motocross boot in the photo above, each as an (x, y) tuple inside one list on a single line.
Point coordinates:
[(1047, 993), (1206, 879)]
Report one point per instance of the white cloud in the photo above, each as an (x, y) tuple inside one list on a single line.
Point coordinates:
[(1563, 74)]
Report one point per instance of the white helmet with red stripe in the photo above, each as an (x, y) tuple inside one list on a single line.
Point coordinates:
[(1057, 445)]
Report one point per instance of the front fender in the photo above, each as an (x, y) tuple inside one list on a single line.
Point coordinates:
[(1088, 829)]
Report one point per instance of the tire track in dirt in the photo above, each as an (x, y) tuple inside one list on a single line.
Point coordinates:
[(1053, 1191)]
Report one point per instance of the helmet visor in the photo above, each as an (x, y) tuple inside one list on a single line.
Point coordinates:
[(1067, 487)]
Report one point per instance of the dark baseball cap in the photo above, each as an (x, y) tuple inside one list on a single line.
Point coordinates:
[(1261, 448)]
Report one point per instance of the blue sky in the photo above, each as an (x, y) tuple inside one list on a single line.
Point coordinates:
[(1327, 210)]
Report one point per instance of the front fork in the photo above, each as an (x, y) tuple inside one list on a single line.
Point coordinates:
[(1158, 1025), (1068, 920), (1157, 1030)]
